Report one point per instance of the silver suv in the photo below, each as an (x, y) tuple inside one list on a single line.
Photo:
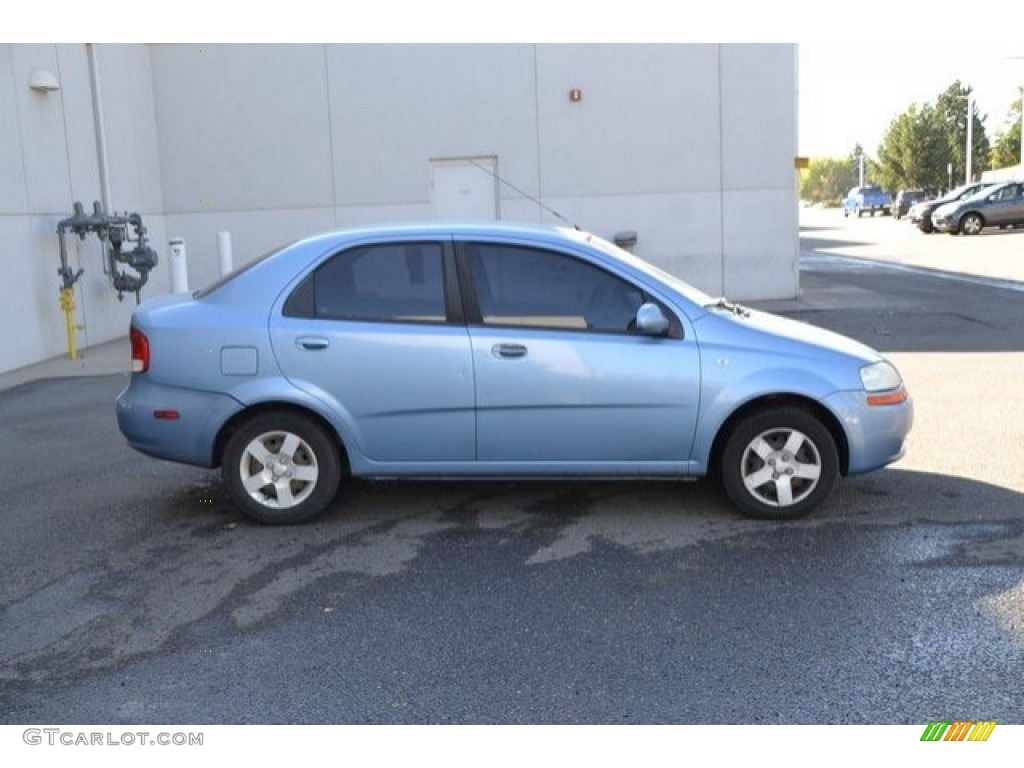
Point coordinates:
[(999, 206)]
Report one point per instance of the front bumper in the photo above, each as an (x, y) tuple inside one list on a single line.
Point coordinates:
[(945, 223), (876, 434)]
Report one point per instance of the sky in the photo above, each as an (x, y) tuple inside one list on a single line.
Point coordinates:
[(850, 93)]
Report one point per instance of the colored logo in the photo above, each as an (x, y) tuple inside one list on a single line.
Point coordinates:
[(958, 730)]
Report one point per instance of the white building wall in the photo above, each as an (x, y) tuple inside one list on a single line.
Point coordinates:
[(690, 146), (760, 230), (48, 160)]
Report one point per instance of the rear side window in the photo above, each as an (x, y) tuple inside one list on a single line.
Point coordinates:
[(393, 282)]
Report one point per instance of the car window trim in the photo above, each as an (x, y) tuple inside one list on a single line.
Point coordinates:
[(454, 301)]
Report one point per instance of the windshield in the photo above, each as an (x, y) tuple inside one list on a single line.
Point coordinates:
[(688, 291), (964, 191)]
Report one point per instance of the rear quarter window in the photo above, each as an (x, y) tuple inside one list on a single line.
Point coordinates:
[(225, 279)]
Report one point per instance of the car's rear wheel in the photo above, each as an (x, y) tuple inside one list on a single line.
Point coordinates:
[(972, 224), (281, 467), (779, 464)]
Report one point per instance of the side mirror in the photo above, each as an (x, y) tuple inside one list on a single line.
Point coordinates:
[(651, 321)]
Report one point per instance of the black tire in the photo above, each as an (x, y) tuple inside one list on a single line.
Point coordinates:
[(926, 226), (779, 464), (281, 468), (971, 224)]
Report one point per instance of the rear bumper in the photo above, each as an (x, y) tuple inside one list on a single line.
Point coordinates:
[(190, 437)]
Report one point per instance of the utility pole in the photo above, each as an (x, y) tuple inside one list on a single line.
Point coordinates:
[(970, 134)]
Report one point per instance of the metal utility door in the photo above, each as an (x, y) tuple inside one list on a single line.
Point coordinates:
[(465, 189)]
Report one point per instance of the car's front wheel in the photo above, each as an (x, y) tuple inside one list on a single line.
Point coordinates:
[(281, 468), (779, 464), (972, 224)]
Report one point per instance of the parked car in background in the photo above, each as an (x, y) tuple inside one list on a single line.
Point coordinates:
[(496, 351), (867, 199), (905, 198), (920, 214), (1001, 205)]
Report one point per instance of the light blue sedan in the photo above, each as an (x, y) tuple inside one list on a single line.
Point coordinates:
[(496, 351)]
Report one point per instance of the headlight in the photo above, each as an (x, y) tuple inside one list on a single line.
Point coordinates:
[(882, 377)]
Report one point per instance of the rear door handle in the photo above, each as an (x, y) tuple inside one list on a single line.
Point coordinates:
[(312, 342), (508, 351)]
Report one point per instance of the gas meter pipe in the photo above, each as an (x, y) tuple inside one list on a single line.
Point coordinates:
[(67, 303)]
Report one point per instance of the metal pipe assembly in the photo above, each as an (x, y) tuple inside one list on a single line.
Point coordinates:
[(114, 232), (67, 304)]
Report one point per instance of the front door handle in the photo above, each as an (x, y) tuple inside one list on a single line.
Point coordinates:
[(312, 342), (508, 351)]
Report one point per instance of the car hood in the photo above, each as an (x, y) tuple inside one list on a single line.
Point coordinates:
[(770, 333)]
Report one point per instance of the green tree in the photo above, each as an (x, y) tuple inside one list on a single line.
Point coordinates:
[(926, 146), (1006, 150), (913, 150), (951, 106), (828, 179)]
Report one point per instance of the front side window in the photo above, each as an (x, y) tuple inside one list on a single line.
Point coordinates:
[(1010, 192), (393, 282), (520, 286)]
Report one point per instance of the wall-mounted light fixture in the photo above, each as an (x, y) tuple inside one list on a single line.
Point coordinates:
[(43, 81)]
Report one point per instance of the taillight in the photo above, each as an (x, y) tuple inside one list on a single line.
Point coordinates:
[(140, 350)]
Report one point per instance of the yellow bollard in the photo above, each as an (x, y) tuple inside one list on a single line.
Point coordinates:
[(67, 303)]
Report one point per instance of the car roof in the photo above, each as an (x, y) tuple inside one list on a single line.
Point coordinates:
[(996, 186), (454, 228)]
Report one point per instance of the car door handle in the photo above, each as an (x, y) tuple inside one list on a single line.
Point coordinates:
[(312, 342), (508, 351)]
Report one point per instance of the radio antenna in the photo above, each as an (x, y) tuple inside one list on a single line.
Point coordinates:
[(528, 196)]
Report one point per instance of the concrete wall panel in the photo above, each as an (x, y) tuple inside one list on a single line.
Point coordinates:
[(647, 120), (242, 127)]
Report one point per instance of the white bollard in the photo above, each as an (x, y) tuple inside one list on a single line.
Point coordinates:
[(224, 251), (179, 266)]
